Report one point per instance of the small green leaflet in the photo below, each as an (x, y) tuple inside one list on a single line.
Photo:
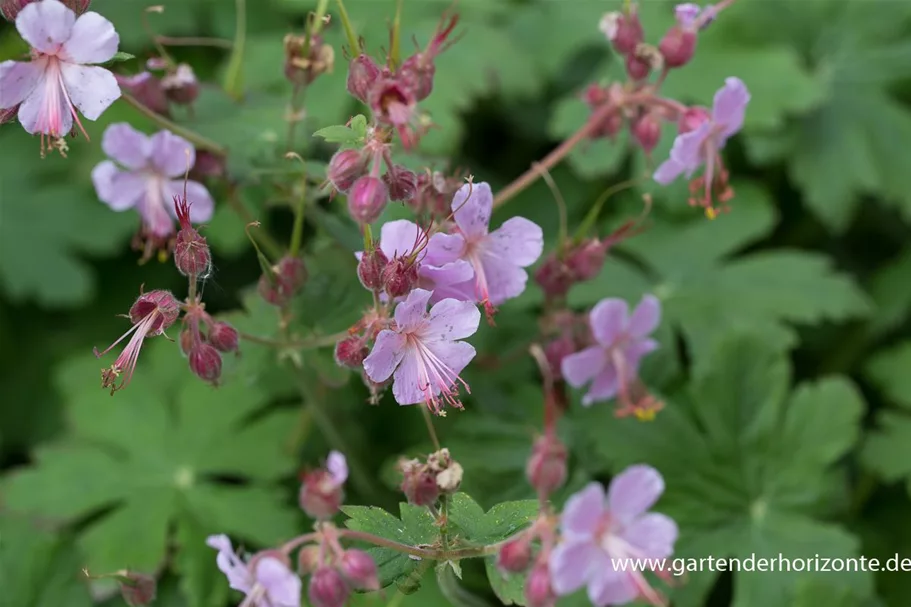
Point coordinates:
[(888, 447), (353, 134), (118, 57)]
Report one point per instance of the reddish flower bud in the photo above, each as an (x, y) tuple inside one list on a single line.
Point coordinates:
[(187, 340), (320, 495), (137, 589), (628, 33), (181, 85), (205, 362), (207, 165), (401, 182), (9, 114), (147, 89), (419, 74), (327, 588), (308, 559), (191, 252), (359, 569), (515, 555), (162, 304), (678, 46), (301, 69), (10, 8), (647, 131), (223, 337), (554, 277), (637, 66), (345, 167), (419, 483), (367, 199), (585, 261), (371, 267), (546, 468), (400, 277), (692, 119), (556, 350), (538, 591), (351, 352), (362, 74), (286, 280)]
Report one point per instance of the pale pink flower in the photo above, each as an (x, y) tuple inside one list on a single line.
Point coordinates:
[(266, 580), (59, 79), (422, 353)]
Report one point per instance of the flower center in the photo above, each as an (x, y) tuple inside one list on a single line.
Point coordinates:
[(434, 376)]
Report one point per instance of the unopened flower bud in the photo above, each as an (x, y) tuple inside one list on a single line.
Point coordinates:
[(187, 340), (320, 495), (371, 267), (359, 569), (692, 119), (538, 591), (148, 90), (554, 277), (647, 131), (327, 588), (367, 199), (628, 33), (546, 468), (160, 303), (362, 73), (181, 85), (678, 46), (585, 261), (400, 277), (515, 555), (287, 277), (207, 165), (308, 559), (9, 114), (223, 337), (137, 589), (10, 8), (205, 362), (419, 72), (637, 67), (419, 484), (401, 182), (351, 352), (345, 167), (191, 252), (556, 350), (301, 69)]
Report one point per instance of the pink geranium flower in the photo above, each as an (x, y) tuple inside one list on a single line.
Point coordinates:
[(153, 176), (266, 580), (422, 353), (59, 79), (599, 531)]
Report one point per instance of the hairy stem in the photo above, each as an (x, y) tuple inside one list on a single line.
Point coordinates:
[(317, 341), (193, 137), (435, 554)]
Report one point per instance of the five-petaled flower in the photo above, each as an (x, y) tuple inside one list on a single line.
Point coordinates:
[(611, 365), (598, 532), (498, 257), (422, 350), (59, 79), (153, 177), (151, 315), (693, 148), (266, 579)]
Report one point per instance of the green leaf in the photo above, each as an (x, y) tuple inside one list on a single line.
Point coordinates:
[(156, 453), (339, 134), (38, 568), (888, 448), (707, 290), (118, 57), (497, 524), (890, 291), (748, 467)]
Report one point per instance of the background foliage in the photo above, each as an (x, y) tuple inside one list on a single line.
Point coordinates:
[(786, 341)]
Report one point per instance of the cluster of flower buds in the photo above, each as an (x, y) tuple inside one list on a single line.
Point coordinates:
[(177, 84), (203, 340), (393, 92), (305, 62), (10, 8), (424, 482), (322, 490), (517, 555), (282, 281), (340, 572)]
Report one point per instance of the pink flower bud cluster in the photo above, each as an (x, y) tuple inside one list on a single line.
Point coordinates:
[(424, 482), (283, 281), (518, 555), (203, 340), (393, 91), (303, 62)]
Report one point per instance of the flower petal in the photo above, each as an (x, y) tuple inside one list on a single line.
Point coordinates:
[(569, 565), (126, 145), (337, 466), (519, 240), (282, 585), (408, 386), (730, 105), (18, 80), (634, 353), (45, 110), (686, 13), (608, 320), (201, 203), (92, 40), (634, 491), (653, 534), (170, 154), (504, 278), (472, 206), (120, 190), (604, 387), (455, 355), (386, 355), (581, 367), (609, 586), (645, 318), (45, 25), (92, 89), (669, 170), (155, 210), (230, 564), (437, 278), (451, 319), (398, 238), (411, 312), (688, 149), (444, 248), (583, 512)]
